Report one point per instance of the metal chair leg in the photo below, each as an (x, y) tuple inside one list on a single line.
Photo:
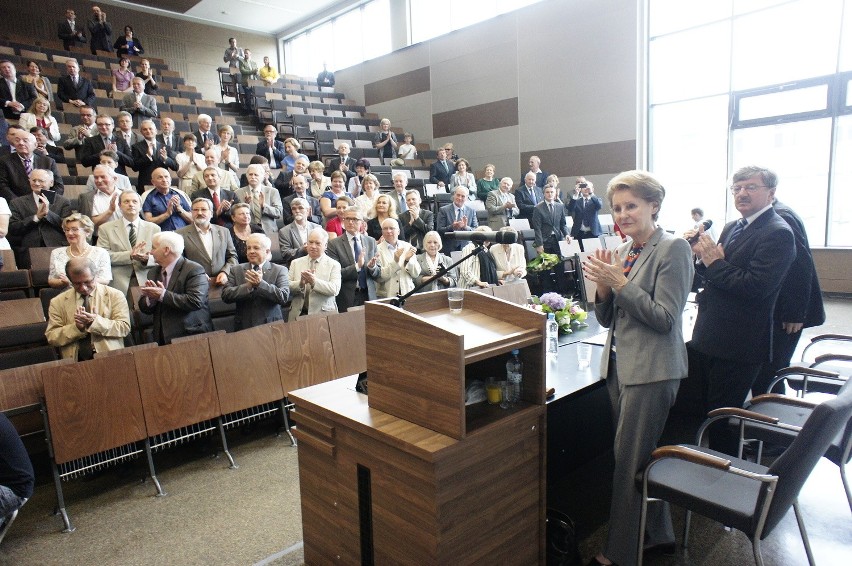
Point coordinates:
[(755, 546), (284, 406), (9, 520), (151, 470), (800, 520), (221, 428), (845, 481)]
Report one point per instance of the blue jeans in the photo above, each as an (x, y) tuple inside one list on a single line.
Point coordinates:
[(9, 502)]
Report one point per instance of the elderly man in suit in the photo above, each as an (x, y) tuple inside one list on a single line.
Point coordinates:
[(300, 190), (259, 288), (36, 219), (207, 244), (271, 148), (293, 238), (397, 262), (205, 137), (535, 167), (416, 221), (176, 294), (500, 205), (149, 155), (69, 32), (314, 279), (342, 162), (74, 89), (128, 242), (101, 205), (743, 274), (584, 207), (15, 168), (124, 130), (356, 254), (265, 202), (222, 199), (89, 317), (24, 92), (227, 180), (139, 104), (457, 216), (168, 136), (441, 171), (92, 146), (528, 196)]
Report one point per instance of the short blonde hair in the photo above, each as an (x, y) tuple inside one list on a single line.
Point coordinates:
[(82, 219)]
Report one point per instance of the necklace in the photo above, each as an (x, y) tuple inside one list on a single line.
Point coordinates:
[(81, 254)]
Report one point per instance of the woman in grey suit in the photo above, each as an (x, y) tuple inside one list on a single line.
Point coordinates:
[(641, 291), (430, 261)]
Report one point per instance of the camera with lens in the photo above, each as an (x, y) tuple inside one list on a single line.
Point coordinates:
[(583, 185)]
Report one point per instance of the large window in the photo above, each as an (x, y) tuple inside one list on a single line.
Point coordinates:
[(740, 82)]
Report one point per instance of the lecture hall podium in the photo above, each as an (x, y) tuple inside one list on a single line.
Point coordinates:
[(411, 475)]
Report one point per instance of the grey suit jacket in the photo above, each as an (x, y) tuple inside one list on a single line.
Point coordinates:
[(290, 243), (224, 254), (340, 250), (325, 289), (426, 272), (112, 237), (646, 314), (184, 309), (494, 204), (271, 208), (25, 232), (260, 305), (148, 110)]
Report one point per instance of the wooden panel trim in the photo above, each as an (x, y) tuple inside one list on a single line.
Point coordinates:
[(397, 86), (488, 116)]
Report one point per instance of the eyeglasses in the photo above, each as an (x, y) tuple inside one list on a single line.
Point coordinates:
[(748, 188)]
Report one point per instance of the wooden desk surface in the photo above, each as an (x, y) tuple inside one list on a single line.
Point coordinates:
[(20, 311)]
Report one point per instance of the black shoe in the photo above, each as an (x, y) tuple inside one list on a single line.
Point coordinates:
[(662, 549)]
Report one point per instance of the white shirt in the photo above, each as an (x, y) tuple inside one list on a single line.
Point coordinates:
[(100, 204), (207, 240)]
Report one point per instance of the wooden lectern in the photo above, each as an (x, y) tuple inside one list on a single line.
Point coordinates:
[(412, 475)]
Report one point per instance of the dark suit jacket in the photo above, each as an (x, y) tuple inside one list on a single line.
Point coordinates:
[(446, 217), (68, 37), (184, 309), (439, 173), (90, 152), (177, 141), (340, 250), (224, 194), (735, 309), (277, 152), (335, 166), (13, 176), (587, 213), (100, 34), (414, 232), (25, 93), (25, 232), (256, 306), (800, 297), (287, 214), (66, 91), (224, 254), (525, 203), (145, 165), (199, 145), (549, 227)]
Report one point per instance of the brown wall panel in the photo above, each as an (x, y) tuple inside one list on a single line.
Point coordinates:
[(397, 86), (488, 116), (594, 159)]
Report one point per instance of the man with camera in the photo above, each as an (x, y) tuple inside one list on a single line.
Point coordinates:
[(584, 207)]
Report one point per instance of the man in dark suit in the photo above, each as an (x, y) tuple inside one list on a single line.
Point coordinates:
[(90, 152), (260, 288), (743, 273), (218, 260), (14, 180), (74, 89), (299, 183), (69, 32), (149, 155), (100, 31), (342, 162), (416, 221), (550, 228), (168, 136), (441, 171), (24, 92), (456, 217), (139, 104), (179, 304), (528, 196), (584, 207), (284, 181), (271, 148), (205, 137), (36, 219), (222, 199), (535, 167), (357, 272), (799, 304)]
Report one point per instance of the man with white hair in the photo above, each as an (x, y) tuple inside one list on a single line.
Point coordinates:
[(139, 104), (265, 202), (101, 205), (396, 258), (205, 137), (36, 219), (15, 168), (500, 205), (535, 168), (16, 95), (528, 196), (176, 293), (315, 279), (149, 154), (293, 238), (74, 89), (168, 137)]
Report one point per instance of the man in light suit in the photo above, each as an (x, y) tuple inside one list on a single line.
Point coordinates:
[(265, 202), (149, 155), (271, 148), (179, 306), (88, 318), (584, 207), (416, 221), (293, 238), (208, 245), (227, 180), (131, 262), (528, 196), (500, 205), (74, 89), (441, 171), (139, 104), (357, 273), (101, 205), (456, 217), (222, 199), (36, 219), (742, 274), (259, 288), (315, 279), (90, 151), (24, 92), (397, 261), (14, 181)]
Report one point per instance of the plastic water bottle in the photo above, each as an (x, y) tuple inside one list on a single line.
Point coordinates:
[(552, 335), (514, 377)]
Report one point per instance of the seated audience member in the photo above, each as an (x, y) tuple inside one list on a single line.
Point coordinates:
[(318, 182), (291, 154), (17, 478), (441, 171), (124, 129), (227, 180), (267, 172), (479, 271), (328, 201), (528, 196), (334, 227), (293, 238), (342, 162), (41, 84), (383, 209), (314, 278), (325, 78), (147, 74), (271, 148), (406, 150), (398, 264), (400, 182), (268, 74), (463, 178), (369, 193), (207, 244), (106, 140), (43, 146), (417, 222), (139, 104), (487, 183), (100, 31), (38, 115), (385, 141), (74, 89), (36, 219), (121, 78), (165, 206), (228, 155), (149, 155), (127, 45), (16, 95), (265, 202), (259, 287), (128, 243), (353, 184), (205, 137), (300, 190), (168, 137), (78, 230), (356, 254), (222, 199), (431, 260), (457, 216), (500, 205), (189, 164), (89, 317), (81, 131), (176, 293), (101, 205), (69, 31), (242, 228), (110, 159), (509, 259), (15, 168), (284, 181)]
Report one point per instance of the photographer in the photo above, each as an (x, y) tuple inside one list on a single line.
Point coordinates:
[(584, 207)]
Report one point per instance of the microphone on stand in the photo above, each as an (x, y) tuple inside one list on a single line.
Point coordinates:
[(496, 237)]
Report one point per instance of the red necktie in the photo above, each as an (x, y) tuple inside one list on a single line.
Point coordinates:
[(216, 207)]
